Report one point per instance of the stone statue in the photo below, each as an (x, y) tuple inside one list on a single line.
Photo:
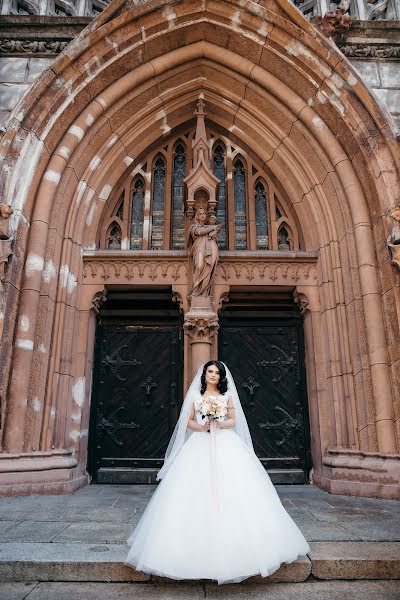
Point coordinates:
[(5, 213), (204, 251)]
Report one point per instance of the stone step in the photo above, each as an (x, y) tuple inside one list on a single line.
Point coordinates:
[(309, 590), (104, 563)]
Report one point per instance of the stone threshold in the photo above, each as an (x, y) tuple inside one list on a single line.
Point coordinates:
[(104, 563)]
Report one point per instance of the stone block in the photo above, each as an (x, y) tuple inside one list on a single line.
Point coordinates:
[(390, 75), (94, 533), (66, 562), (36, 66), (4, 114), (325, 531), (299, 570), (310, 590), (33, 532), (16, 590), (116, 591), (390, 98), (368, 71), (355, 560), (13, 70), (10, 94)]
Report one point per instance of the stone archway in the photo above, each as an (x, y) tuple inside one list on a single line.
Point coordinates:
[(130, 77)]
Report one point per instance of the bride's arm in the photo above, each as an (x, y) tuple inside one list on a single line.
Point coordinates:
[(230, 422), (193, 424)]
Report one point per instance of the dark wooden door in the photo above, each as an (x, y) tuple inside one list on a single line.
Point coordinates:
[(136, 400), (267, 364)]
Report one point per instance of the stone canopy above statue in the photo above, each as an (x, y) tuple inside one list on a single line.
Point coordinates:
[(201, 182)]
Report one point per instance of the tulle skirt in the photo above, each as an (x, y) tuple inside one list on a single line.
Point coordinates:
[(215, 515)]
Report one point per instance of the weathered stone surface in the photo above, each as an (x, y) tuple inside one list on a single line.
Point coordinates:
[(36, 66), (13, 70), (66, 562), (369, 71), (28, 531), (16, 590), (355, 560), (10, 94), (318, 590)]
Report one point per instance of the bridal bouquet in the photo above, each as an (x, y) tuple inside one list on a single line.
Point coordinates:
[(212, 408)]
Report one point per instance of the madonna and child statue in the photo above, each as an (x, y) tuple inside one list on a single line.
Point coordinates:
[(203, 248)]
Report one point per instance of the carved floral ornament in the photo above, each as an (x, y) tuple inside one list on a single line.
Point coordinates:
[(200, 326)]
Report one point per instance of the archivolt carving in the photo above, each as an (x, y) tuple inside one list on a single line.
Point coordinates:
[(125, 270)]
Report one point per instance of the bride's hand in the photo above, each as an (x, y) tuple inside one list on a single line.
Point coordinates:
[(206, 426)]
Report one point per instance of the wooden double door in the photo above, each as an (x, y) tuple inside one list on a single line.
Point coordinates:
[(138, 389)]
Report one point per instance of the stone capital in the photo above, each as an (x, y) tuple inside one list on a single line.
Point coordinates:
[(201, 322)]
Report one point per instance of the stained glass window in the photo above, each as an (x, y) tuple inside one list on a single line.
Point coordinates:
[(219, 171), (157, 234), (283, 239), (239, 201), (260, 200), (114, 238), (278, 213), (178, 215), (137, 215)]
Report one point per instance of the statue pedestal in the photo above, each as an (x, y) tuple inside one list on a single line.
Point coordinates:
[(201, 324)]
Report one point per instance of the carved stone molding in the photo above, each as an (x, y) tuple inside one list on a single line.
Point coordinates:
[(370, 50), (200, 327), (289, 272), (134, 270), (301, 301), (201, 322), (223, 299), (22, 46), (98, 300), (169, 267)]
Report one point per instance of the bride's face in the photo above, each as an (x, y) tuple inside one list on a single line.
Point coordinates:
[(212, 375)]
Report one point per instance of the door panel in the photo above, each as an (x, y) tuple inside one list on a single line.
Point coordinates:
[(267, 364), (136, 400)]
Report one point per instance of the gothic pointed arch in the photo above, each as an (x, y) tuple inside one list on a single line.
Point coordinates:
[(298, 111)]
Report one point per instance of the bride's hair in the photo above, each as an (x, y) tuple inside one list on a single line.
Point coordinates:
[(222, 385)]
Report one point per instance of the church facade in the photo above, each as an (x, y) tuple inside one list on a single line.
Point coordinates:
[(241, 125)]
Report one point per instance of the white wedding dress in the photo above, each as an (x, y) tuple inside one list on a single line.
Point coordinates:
[(216, 515)]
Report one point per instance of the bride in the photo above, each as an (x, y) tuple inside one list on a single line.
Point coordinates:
[(216, 514)]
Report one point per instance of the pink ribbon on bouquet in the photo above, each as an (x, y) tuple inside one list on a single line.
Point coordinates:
[(213, 454)]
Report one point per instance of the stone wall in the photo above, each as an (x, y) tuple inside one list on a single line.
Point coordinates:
[(16, 76)]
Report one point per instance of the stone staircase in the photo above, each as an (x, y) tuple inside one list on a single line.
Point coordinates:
[(54, 547)]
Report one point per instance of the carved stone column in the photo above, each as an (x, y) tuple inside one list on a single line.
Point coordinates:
[(201, 324)]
